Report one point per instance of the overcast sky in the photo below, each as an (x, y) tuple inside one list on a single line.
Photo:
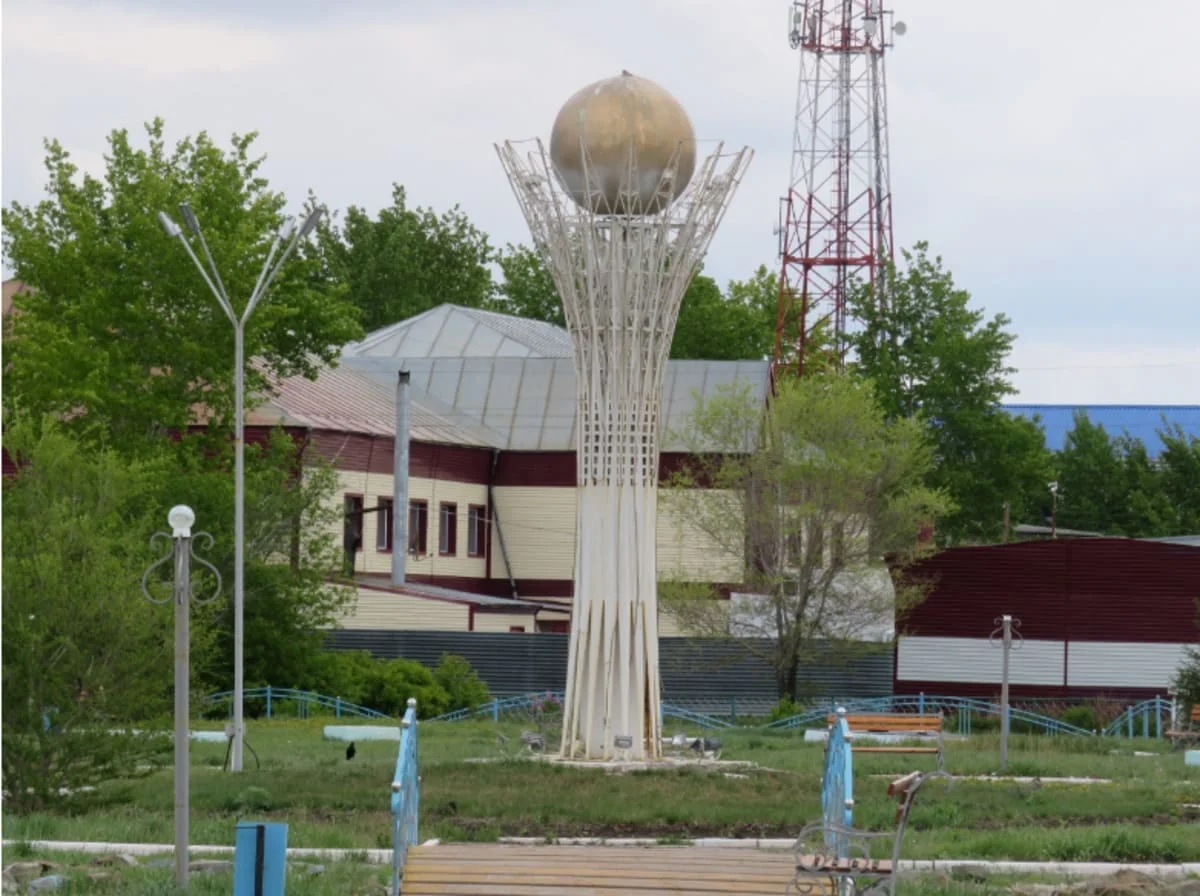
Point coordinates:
[(1047, 150)]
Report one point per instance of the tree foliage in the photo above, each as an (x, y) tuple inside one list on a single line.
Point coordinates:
[(527, 289), (1109, 483), (83, 651), (407, 260), (810, 498), (935, 358), (118, 330)]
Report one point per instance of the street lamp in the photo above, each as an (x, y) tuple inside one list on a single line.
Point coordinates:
[(292, 235), (183, 550), (1007, 638)]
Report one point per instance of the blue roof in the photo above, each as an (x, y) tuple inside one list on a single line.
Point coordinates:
[(1141, 421)]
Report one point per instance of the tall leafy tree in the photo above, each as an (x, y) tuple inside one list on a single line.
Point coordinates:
[(117, 331), (1180, 468), (732, 326), (408, 260), (807, 501), (527, 290), (1108, 484), (83, 652), (934, 357)]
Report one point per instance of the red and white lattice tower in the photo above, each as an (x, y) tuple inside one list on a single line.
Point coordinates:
[(836, 219)]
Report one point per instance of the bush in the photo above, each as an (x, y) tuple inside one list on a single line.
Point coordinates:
[(461, 683), (1187, 681), (393, 682), (784, 709), (1084, 717)]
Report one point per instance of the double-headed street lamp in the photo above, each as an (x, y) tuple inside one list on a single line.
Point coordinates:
[(291, 234)]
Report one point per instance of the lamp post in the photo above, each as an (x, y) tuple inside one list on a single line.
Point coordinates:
[(182, 551), (1002, 636), (292, 235)]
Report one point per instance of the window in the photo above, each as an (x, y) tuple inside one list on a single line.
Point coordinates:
[(352, 527), (448, 530), (476, 531), (516, 628), (418, 527), (383, 525)]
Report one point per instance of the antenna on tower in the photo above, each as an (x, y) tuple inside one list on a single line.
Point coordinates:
[(835, 223)]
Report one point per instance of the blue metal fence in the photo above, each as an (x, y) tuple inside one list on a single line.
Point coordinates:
[(837, 784), (406, 794), (302, 702), (1148, 719)]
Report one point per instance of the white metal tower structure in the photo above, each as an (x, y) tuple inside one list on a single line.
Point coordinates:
[(836, 219), (623, 232)]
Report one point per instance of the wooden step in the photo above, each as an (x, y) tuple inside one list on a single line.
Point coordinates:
[(491, 869)]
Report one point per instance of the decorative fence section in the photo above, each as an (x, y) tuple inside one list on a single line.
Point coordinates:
[(1141, 719), (962, 709), (406, 794), (837, 785), (550, 701), (301, 702)]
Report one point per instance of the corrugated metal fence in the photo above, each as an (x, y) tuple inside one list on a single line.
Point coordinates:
[(700, 674)]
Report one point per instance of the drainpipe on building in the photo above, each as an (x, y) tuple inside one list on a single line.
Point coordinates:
[(400, 482), (512, 582)]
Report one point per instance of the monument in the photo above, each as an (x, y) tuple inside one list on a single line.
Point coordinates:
[(623, 210)]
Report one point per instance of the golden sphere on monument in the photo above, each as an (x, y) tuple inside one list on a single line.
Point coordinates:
[(623, 146)]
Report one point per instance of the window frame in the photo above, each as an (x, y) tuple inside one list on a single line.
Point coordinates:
[(419, 532), (448, 533), (385, 534), (477, 529)]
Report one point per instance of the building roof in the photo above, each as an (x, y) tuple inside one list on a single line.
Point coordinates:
[(530, 403), (452, 331), (1140, 421), (345, 401), (436, 592)]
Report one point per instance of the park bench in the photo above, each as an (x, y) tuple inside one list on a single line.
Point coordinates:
[(1181, 736), (919, 726), (834, 858)]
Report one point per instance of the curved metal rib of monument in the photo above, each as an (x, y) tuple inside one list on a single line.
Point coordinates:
[(623, 230)]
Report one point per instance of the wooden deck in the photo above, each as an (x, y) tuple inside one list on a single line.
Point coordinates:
[(493, 869)]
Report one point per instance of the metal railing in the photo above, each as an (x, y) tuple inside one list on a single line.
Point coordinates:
[(837, 784), (1140, 719), (406, 794), (962, 709), (303, 701)]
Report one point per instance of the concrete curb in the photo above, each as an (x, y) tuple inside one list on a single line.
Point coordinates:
[(384, 856)]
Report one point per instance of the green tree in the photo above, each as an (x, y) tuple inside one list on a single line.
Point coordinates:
[(83, 652), (293, 548), (812, 500), (934, 357), (1109, 484), (1180, 466), (118, 332), (528, 290), (734, 326), (408, 260)]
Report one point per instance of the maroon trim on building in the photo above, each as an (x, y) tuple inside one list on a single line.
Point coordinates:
[(362, 453), (556, 469), (526, 588)]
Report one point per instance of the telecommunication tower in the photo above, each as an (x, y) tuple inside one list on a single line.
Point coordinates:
[(835, 226)]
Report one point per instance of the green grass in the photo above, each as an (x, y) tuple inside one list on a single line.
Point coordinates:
[(328, 802)]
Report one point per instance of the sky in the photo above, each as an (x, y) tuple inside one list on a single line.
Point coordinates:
[(1044, 150)]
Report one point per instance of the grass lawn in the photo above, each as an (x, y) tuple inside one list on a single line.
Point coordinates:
[(327, 801)]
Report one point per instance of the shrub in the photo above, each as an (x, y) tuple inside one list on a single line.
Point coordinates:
[(1082, 717), (393, 682), (462, 684), (784, 709), (1187, 680)]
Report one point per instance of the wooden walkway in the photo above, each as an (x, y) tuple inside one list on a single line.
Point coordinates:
[(494, 869)]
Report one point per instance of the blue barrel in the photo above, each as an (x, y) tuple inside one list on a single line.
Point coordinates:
[(259, 858)]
